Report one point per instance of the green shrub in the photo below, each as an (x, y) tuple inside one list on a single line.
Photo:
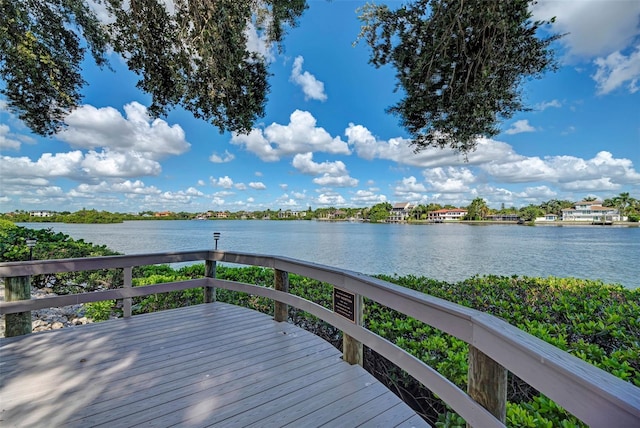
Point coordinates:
[(99, 311)]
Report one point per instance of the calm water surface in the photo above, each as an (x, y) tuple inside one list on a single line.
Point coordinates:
[(450, 252)]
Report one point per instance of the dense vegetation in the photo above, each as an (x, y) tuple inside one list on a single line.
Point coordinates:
[(477, 210), (596, 322)]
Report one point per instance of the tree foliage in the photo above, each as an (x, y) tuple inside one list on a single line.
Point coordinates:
[(41, 49), (460, 64), (192, 54), (477, 210)]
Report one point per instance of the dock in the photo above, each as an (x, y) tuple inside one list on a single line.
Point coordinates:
[(199, 366)]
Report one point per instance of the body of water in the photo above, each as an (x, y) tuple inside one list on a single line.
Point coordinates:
[(449, 252)]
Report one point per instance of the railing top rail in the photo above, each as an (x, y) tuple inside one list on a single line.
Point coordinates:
[(556, 373), (38, 267)]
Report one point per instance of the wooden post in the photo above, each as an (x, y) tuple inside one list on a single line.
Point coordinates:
[(352, 350), (487, 383), (209, 272), (17, 288), (128, 283), (281, 310)]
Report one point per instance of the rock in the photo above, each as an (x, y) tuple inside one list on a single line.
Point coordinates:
[(50, 318)]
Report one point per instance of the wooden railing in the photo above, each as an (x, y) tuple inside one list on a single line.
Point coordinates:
[(592, 395)]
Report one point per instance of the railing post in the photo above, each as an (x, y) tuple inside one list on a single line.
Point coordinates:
[(487, 383), (128, 283), (209, 272), (352, 350), (281, 310), (17, 288)]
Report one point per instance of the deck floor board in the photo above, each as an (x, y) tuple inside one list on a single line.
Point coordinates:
[(205, 365)]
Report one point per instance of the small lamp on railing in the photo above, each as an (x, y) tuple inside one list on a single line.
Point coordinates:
[(31, 242), (216, 236)]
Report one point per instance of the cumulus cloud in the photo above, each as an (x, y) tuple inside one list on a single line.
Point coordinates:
[(368, 197), (410, 184), (618, 70), (127, 187), (329, 199), (594, 28), (312, 87), (225, 182), (299, 136), (333, 173), (114, 164), (399, 150), (89, 127), (565, 171), (519, 127), (449, 180), (226, 157), (7, 140), (258, 43), (257, 185), (548, 104)]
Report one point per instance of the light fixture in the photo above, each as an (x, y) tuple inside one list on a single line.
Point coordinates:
[(31, 242)]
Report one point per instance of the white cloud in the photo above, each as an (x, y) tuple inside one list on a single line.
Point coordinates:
[(312, 87), (257, 185), (333, 173), (225, 182), (305, 164), (410, 184), (564, 170), (594, 27), (7, 140), (329, 199), (90, 128), (258, 42), (519, 127), (449, 180), (332, 181), (113, 164), (368, 197), (548, 104), (227, 157), (299, 136), (617, 70), (399, 150)]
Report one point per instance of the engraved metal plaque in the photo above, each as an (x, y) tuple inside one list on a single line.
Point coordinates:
[(344, 304)]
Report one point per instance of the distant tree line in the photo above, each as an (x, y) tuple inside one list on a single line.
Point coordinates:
[(477, 210)]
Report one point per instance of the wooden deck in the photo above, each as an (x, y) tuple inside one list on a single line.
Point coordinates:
[(205, 365)]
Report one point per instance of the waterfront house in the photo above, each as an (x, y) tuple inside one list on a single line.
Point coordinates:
[(503, 217), (547, 217), (41, 213), (446, 215), (591, 211), (400, 212)]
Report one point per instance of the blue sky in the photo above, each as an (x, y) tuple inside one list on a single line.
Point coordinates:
[(327, 141)]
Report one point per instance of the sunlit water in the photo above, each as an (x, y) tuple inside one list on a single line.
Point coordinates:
[(450, 252)]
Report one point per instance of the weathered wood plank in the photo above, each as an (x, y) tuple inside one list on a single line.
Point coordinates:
[(197, 366)]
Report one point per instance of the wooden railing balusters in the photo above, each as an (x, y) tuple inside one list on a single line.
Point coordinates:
[(209, 272), (281, 283), (352, 349), (17, 288), (594, 396), (487, 383), (128, 283)]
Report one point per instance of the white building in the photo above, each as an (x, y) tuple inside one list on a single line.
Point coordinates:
[(400, 212), (40, 213), (446, 215), (592, 211)]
